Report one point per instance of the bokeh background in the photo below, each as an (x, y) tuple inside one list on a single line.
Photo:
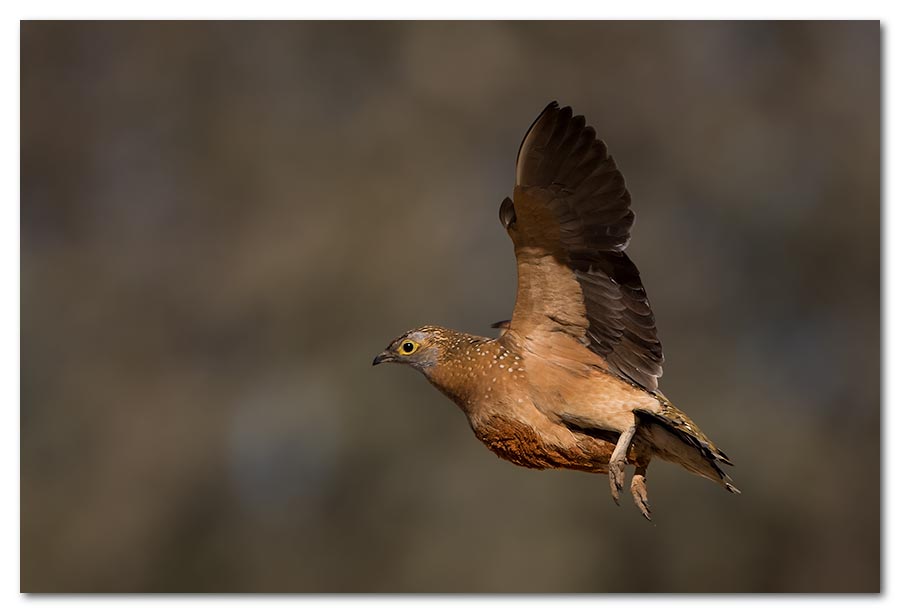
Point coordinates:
[(222, 223)]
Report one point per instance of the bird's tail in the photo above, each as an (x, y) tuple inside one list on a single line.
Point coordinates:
[(677, 439)]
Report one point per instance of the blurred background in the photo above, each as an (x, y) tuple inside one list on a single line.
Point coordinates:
[(222, 223)]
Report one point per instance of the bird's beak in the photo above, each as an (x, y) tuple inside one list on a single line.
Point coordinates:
[(384, 356)]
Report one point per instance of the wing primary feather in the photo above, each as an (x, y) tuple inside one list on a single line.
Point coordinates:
[(535, 127)]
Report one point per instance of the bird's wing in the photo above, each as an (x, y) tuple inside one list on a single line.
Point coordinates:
[(570, 221)]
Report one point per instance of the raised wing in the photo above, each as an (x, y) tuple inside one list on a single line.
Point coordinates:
[(570, 221)]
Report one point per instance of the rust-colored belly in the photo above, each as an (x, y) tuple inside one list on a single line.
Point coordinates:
[(520, 444)]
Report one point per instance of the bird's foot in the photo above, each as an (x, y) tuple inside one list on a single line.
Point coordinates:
[(639, 493), (617, 463), (616, 479)]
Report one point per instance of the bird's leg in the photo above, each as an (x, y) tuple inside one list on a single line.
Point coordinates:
[(617, 462), (639, 485)]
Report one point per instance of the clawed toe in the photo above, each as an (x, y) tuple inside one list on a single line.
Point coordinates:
[(616, 479), (639, 493), (617, 463)]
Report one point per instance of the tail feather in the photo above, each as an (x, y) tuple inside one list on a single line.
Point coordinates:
[(677, 439)]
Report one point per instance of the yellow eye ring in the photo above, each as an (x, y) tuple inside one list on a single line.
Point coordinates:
[(407, 347)]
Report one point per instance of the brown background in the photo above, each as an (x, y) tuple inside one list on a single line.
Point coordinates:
[(222, 223)]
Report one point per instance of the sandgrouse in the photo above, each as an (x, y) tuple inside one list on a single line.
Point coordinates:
[(571, 382)]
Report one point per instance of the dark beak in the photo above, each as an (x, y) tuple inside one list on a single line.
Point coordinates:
[(384, 356)]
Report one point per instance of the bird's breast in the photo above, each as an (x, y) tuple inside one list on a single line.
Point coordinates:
[(481, 378)]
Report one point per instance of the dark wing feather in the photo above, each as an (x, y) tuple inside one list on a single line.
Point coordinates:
[(571, 204)]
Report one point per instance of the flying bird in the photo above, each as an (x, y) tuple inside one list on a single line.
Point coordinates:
[(571, 381)]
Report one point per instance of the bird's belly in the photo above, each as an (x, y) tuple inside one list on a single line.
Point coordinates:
[(546, 446)]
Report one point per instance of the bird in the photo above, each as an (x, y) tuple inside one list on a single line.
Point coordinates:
[(572, 379)]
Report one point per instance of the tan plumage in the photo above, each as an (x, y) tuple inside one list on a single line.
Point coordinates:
[(572, 380)]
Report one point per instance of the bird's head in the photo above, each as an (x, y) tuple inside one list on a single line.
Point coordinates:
[(422, 348)]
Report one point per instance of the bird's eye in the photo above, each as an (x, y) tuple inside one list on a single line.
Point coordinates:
[(408, 347)]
